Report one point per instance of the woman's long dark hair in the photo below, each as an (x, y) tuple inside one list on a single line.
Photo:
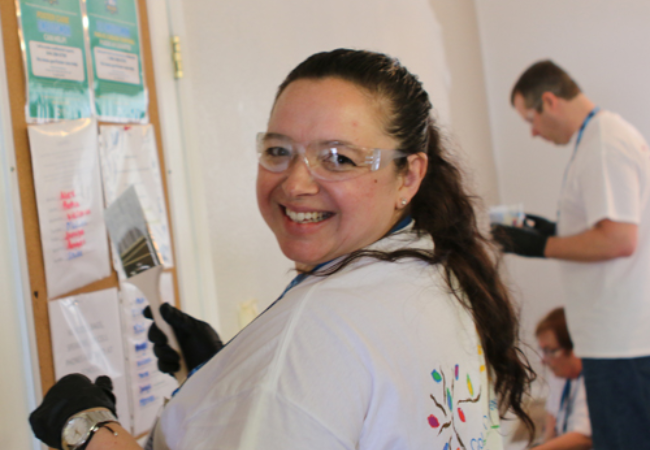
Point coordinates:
[(442, 209)]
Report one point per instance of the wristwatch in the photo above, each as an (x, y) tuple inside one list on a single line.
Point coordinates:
[(80, 428)]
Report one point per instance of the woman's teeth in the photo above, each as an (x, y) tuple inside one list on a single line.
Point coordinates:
[(307, 217)]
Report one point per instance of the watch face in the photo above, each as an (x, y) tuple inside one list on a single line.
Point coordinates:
[(76, 431)]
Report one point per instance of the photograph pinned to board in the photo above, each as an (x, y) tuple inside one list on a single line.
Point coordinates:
[(53, 44), (67, 177), (148, 386), (129, 157), (87, 339), (118, 80)]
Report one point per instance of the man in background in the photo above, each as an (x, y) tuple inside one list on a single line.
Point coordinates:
[(602, 238), (567, 417)]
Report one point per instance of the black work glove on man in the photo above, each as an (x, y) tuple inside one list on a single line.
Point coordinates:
[(527, 240), (198, 341), (544, 226), (71, 394), (519, 240)]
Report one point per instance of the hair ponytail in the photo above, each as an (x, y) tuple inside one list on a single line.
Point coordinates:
[(443, 209)]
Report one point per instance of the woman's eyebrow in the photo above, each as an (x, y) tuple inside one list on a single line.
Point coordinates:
[(276, 136), (335, 141), (273, 135)]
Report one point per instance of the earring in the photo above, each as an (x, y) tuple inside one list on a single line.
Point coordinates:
[(404, 202)]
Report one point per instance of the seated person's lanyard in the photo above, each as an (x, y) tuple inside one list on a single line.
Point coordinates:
[(566, 404)]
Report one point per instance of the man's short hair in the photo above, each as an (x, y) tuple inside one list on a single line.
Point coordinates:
[(544, 76), (555, 321)]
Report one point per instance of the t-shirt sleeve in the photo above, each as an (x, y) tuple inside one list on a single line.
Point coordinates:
[(579, 420), (610, 186)]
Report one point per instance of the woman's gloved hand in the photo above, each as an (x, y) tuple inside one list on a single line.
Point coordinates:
[(198, 341), (544, 226), (71, 394), (522, 241)]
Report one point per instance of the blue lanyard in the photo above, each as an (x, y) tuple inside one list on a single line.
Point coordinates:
[(295, 282), (591, 114), (585, 122), (566, 403)]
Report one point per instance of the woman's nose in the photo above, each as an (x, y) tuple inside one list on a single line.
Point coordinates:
[(299, 180)]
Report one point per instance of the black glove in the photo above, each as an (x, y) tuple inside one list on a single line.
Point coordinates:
[(544, 226), (522, 241), (70, 395), (198, 341)]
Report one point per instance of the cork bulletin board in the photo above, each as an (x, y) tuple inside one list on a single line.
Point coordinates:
[(17, 99)]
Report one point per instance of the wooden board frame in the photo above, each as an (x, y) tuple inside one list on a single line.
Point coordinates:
[(17, 99)]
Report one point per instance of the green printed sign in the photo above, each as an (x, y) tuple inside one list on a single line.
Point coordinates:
[(55, 58), (118, 81)]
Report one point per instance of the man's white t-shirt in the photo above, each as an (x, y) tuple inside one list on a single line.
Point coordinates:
[(377, 356), (608, 303)]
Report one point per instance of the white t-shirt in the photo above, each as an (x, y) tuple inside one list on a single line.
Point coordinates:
[(608, 303), (575, 404), (377, 356)]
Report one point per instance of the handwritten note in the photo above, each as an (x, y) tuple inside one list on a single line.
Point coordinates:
[(148, 386), (129, 157), (69, 200), (87, 339)]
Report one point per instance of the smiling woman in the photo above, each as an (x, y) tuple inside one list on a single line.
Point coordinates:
[(353, 212), (397, 332)]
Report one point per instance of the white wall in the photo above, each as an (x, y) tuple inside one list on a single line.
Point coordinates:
[(603, 45), (237, 54), (470, 126)]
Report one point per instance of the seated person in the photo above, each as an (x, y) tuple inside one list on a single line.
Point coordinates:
[(567, 417)]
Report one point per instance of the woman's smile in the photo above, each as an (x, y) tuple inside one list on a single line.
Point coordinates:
[(303, 217)]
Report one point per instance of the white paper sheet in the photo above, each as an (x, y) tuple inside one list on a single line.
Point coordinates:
[(148, 386), (87, 339), (129, 157), (69, 200)]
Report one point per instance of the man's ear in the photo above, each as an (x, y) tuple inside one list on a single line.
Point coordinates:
[(549, 101)]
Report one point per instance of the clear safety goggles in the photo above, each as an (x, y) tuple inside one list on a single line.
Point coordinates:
[(326, 160)]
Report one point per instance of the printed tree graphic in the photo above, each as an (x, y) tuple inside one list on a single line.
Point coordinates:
[(448, 409)]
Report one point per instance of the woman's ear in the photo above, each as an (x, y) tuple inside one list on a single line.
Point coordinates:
[(411, 178)]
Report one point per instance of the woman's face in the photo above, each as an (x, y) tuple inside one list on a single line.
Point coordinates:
[(345, 215)]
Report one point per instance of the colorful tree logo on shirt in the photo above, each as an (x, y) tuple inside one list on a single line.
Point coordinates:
[(448, 408)]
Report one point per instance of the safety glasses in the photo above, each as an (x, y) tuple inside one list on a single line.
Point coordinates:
[(550, 353), (326, 160)]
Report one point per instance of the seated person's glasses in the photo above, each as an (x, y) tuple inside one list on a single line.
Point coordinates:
[(326, 160), (549, 353)]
